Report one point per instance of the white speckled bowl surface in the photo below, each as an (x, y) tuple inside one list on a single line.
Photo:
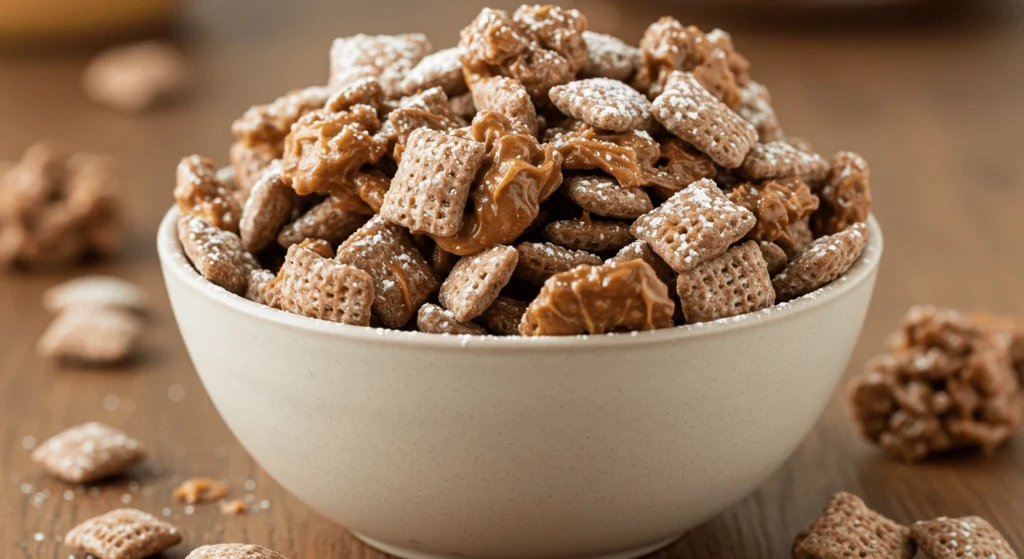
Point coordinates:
[(430, 446)]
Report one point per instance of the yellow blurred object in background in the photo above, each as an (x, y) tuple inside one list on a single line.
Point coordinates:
[(23, 20)]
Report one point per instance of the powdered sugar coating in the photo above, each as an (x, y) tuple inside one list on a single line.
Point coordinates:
[(540, 261), (432, 319), (217, 255), (609, 57), (199, 192), (756, 108), (88, 452), (848, 528), (970, 537), (732, 284), (312, 285), (268, 207), (123, 534), (329, 220), (505, 96), (385, 57), (95, 291), (826, 259), (603, 103), (90, 335), (233, 551), (441, 69), (270, 123), (603, 196), (778, 159), (588, 234), (475, 281)]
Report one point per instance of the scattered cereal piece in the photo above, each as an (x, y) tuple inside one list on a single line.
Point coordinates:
[(476, 281), (821, 263), (329, 220), (385, 57), (123, 534), (402, 278), (589, 235), (317, 286), (95, 291), (200, 490), (609, 57), (503, 316), (732, 284), (505, 96), (217, 255), (778, 159), (430, 189), (597, 299), (603, 196), (775, 258), (693, 114), (442, 69), (269, 124), (846, 194), (540, 261), (233, 551), (133, 78), (88, 453), (959, 538), (234, 507), (603, 103), (432, 319), (848, 528), (92, 336), (325, 148), (694, 226), (199, 193), (270, 203)]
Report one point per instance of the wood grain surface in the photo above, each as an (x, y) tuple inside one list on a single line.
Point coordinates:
[(932, 98)]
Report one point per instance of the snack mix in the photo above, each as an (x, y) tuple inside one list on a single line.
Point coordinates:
[(949, 381), (536, 179)]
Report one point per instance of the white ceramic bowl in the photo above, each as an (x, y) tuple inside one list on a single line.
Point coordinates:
[(429, 446)]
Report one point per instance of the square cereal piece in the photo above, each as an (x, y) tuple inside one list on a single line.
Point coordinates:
[(821, 263), (732, 284), (640, 250), (429, 109), (431, 187), (385, 57), (218, 255), (540, 261), (692, 113), (960, 538), (778, 159), (311, 285), (504, 316), (848, 528), (267, 209), (589, 235), (87, 453), (506, 96), (92, 335), (476, 281), (123, 534), (402, 278), (233, 551), (605, 197), (609, 57), (432, 319), (330, 220), (695, 225), (756, 108), (603, 103), (442, 69), (96, 291)]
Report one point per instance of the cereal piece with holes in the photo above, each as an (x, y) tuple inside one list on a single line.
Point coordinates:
[(778, 159), (821, 263), (694, 226), (960, 538), (123, 534), (609, 57), (269, 124), (268, 207), (505, 96), (329, 220), (846, 194), (385, 57), (431, 188), (248, 163), (91, 335), (429, 109), (603, 103), (217, 255), (233, 551), (433, 319), (442, 69), (88, 452), (756, 108), (540, 261), (603, 196), (588, 234), (199, 192), (732, 284), (503, 316), (476, 281), (316, 286), (402, 278), (848, 528), (640, 250)]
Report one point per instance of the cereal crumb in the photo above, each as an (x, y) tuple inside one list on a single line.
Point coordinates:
[(200, 490)]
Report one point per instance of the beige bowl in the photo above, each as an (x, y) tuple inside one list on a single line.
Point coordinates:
[(429, 446)]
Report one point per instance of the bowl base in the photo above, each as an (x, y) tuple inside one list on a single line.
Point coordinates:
[(404, 553)]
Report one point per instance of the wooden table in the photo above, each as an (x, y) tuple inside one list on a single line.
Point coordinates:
[(936, 107)]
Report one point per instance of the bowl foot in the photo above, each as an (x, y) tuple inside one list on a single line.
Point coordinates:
[(404, 553)]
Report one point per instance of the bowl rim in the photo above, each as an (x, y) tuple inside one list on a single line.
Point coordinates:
[(174, 263)]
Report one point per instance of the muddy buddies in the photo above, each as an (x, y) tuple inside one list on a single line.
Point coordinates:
[(537, 178)]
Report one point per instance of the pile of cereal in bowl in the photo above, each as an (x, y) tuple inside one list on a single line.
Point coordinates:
[(538, 179)]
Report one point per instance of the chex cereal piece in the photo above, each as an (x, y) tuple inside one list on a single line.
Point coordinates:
[(774, 257), (217, 254), (442, 69), (603, 103), (259, 284), (248, 163), (476, 281), (798, 237), (679, 166), (385, 57), (402, 278), (325, 148), (87, 453), (694, 225), (588, 234), (821, 263), (778, 159), (756, 108), (603, 196), (559, 29), (234, 507), (200, 490), (319, 246), (316, 286), (714, 74), (540, 261), (692, 113), (123, 534), (95, 291), (628, 156), (718, 39), (433, 319), (505, 96), (776, 203), (970, 537), (640, 250), (233, 551), (133, 78), (431, 187), (199, 193), (90, 335), (732, 284), (609, 57), (462, 106), (667, 45), (846, 194), (370, 186), (429, 109), (503, 316), (364, 91), (848, 528), (616, 297), (268, 207), (270, 123), (329, 220)]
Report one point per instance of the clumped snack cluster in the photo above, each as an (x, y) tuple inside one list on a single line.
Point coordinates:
[(536, 179)]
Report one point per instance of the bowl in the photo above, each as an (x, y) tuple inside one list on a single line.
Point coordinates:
[(434, 446)]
